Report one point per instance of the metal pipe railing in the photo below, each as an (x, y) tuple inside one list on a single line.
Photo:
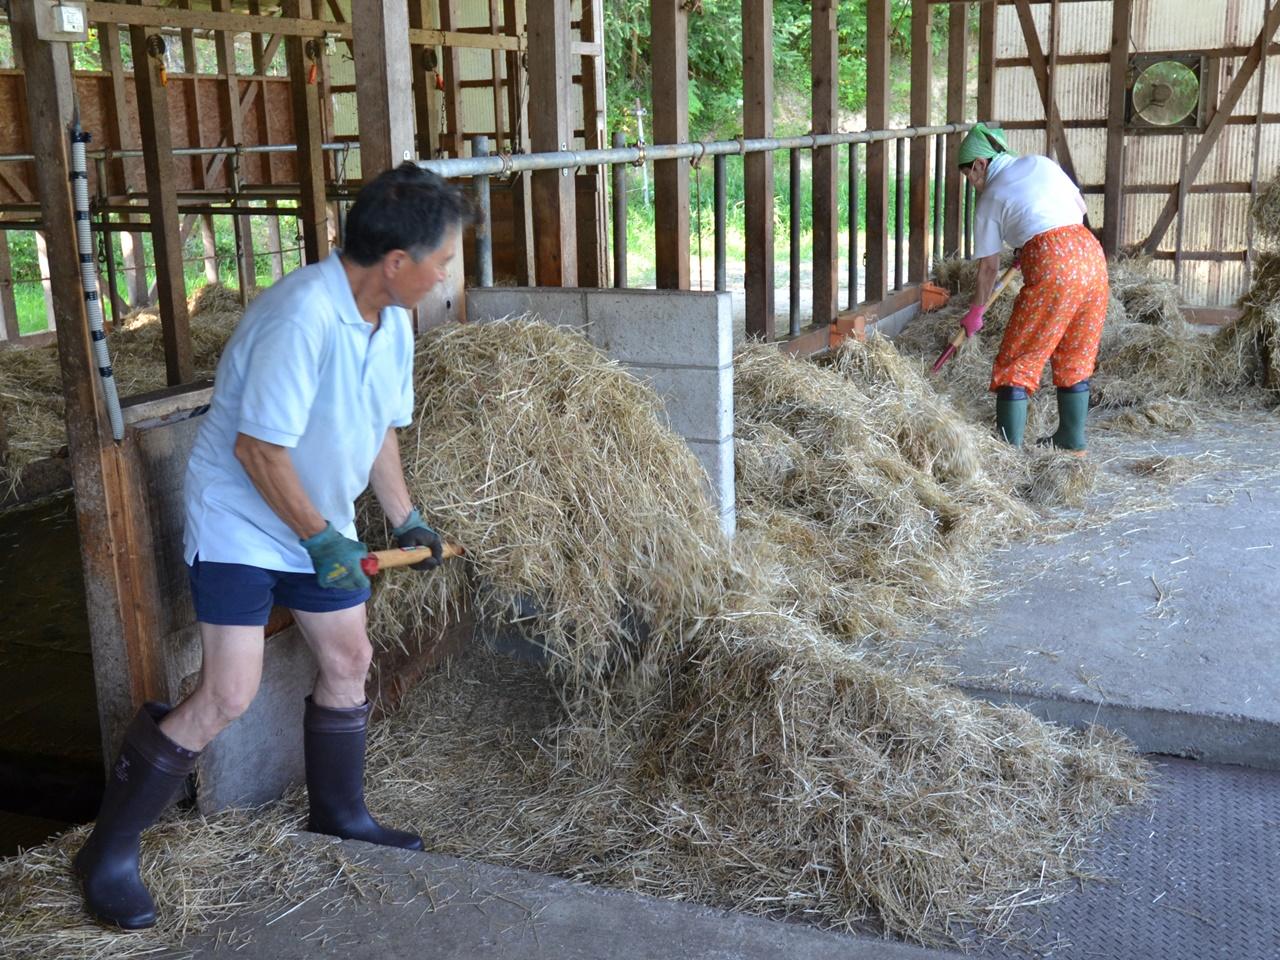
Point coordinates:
[(126, 154), (619, 217), (793, 313), (721, 218), (854, 216), (939, 176), (899, 212), (506, 163), (483, 230)]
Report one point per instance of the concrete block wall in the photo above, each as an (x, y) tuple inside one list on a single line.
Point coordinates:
[(680, 342)]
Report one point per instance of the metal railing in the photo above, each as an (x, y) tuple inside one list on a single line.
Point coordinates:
[(483, 165)]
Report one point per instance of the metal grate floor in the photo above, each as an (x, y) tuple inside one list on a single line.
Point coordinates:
[(1195, 876)]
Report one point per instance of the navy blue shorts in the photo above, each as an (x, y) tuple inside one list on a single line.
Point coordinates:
[(236, 595)]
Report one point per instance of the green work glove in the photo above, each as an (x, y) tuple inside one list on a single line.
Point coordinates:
[(336, 559), (414, 532)]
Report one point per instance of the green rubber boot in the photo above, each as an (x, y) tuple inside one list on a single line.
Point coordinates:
[(1073, 408), (1011, 414)]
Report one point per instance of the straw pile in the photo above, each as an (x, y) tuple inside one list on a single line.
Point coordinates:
[(755, 754), (707, 730), (879, 500), (31, 395)]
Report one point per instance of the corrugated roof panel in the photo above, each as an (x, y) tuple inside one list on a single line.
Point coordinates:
[(1214, 222), (1084, 27), (472, 13), (1080, 90), (1026, 141), (1153, 158), (1009, 39), (1158, 26), (1089, 154), (1231, 159), (1016, 94)]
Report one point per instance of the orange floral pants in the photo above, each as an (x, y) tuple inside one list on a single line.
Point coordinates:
[(1059, 312)]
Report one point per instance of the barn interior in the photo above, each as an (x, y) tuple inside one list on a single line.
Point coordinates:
[(888, 689)]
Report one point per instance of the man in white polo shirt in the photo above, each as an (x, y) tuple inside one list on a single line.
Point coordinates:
[(1030, 205), (308, 395)]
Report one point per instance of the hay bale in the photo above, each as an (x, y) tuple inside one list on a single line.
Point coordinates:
[(1144, 296), (1265, 210), (1156, 416), (31, 397), (1059, 479)]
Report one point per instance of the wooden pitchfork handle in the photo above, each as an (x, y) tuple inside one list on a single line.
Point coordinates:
[(962, 335), (406, 556)]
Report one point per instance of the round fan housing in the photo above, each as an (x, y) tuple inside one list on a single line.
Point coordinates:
[(1166, 94)]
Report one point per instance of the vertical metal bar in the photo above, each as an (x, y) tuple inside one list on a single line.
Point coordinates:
[(939, 179), (794, 203), (899, 213), (237, 229), (1257, 157), (722, 235), (854, 215), (484, 222), (619, 173)]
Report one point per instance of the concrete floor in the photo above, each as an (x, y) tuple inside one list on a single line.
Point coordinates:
[(1162, 623)]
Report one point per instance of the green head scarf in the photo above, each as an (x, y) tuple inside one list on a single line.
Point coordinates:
[(981, 143)]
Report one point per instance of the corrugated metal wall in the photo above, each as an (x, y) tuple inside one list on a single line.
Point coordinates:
[(1212, 222)]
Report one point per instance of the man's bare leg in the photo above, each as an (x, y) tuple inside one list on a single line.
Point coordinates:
[(230, 672)]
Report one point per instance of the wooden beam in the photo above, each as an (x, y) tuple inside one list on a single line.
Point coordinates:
[(495, 68), (1040, 67), (162, 205), (426, 119), (957, 86), (593, 247), (757, 121), (313, 212), (522, 185), (921, 97), (669, 44), (110, 11), (1210, 137), (114, 535), (1113, 201), (8, 305), (877, 277), (825, 81), (384, 86), (986, 61), (550, 127), (233, 126), (452, 84)]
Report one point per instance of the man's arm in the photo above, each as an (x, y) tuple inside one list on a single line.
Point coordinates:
[(271, 469), (386, 479), (988, 268)]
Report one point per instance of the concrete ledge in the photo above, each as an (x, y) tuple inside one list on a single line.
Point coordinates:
[(558, 305), (1218, 738), (698, 401), (662, 326)]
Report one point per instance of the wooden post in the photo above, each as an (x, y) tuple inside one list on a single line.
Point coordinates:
[(233, 127), (384, 86), (957, 82), (757, 121), (986, 61), (455, 140), (8, 306), (593, 268), (115, 539), (162, 195), (826, 162), (877, 278), (424, 85), (554, 204), (1113, 190), (669, 43), (921, 94), (131, 246), (313, 212)]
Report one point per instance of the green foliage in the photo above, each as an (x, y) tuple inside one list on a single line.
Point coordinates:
[(715, 59)]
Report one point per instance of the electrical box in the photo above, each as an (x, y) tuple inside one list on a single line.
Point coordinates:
[(61, 22)]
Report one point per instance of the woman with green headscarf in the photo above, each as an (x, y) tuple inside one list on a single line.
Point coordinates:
[(1029, 204)]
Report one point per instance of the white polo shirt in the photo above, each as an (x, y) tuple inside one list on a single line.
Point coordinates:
[(1027, 197), (305, 371)]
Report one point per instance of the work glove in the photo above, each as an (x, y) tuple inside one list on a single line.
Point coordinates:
[(336, 559), (414, 532), (972, 321)]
